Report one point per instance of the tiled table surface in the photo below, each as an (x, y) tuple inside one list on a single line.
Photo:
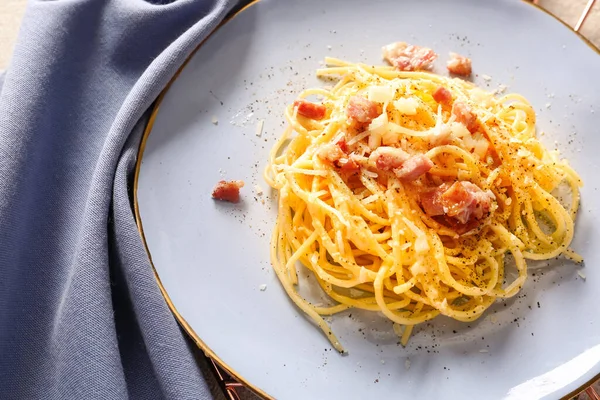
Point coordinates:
[(11, 14)]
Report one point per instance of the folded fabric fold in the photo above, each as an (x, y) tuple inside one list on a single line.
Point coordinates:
[(81, 315)]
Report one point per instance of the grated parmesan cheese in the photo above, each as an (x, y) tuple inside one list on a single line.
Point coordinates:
[(581, 275), (258, 190), (215, 121), (263, 287)]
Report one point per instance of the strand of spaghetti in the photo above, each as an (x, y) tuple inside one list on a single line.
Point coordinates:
[(368, 303), (408, 329), (301, 303), (572, 255), (303, 249), (565, 225), (404, 318)]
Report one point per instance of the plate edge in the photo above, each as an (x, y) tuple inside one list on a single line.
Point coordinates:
[(147, 130)]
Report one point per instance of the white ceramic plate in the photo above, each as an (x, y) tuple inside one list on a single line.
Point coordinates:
[(212, 257)]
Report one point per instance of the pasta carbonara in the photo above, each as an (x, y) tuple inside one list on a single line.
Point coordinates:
[(414, 190)]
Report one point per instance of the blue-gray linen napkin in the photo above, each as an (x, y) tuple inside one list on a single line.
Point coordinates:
[(81, 315)]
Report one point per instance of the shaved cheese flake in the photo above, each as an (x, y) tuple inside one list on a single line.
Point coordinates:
[(259, 127), (363, 275), (340, 242), (421, 244), (418, 268), (581, 275), (444, 305), (523, 153), (370, 174), (381, 94), (459, 130), (390, 137), (358, 138), (314, 259), (370, 199), (469, 142), (379, 124), (406, 105), (481, 147), (500, 89), (259, 191), (215, 120), (374, 140)]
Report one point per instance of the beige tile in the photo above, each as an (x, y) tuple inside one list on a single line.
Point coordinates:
[(11, 13)]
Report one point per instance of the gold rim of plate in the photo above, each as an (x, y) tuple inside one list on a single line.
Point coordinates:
[(186, 327)]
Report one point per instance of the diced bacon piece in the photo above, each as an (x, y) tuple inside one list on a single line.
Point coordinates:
[(463, 204), (406, 57), (459, 65), (388, 158), (465, 201), (442, 95), (331, 152), (337, 154), (413, 168), (309, 109), (343, 145), (465, 116), (228, 191), (362, 110)]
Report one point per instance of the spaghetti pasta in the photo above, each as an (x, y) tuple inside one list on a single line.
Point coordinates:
[(412, 188)]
